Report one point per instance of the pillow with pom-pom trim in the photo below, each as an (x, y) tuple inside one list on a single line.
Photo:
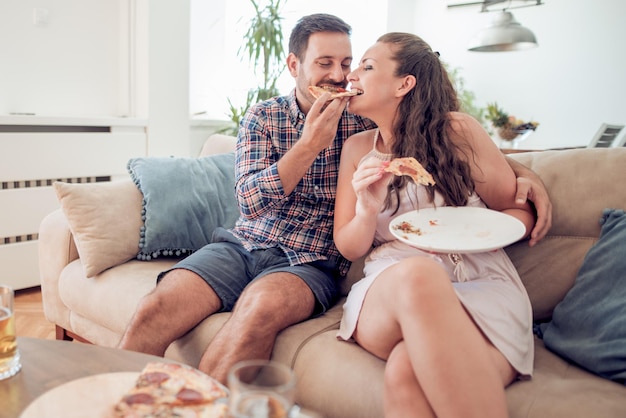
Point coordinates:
[(184, 200)]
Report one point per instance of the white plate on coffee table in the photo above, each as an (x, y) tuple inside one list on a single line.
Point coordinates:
[(92, 396), (463, 229), (87, 397)]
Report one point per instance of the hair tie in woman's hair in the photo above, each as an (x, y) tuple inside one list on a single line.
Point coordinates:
[(437, 53)]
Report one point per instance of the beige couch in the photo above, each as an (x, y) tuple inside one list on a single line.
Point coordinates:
[(338, 379)]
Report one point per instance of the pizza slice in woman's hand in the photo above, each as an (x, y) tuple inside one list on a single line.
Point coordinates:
[(409, 166)]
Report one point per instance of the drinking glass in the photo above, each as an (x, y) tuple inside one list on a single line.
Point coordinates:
[(9, 354), (261, 389)]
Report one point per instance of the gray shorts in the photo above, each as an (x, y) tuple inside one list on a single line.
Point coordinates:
[(228, 268)]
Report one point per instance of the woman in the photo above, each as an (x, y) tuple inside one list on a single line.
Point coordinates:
[(454, 329)]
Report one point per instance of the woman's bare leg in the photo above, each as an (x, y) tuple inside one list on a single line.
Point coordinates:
[(403, 395), (458, 370)]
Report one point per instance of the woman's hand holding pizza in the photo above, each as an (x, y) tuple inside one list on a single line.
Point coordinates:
[(370, 183)]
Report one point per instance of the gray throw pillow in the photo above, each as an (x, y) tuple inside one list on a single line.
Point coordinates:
[(588, 326), (184, 200)]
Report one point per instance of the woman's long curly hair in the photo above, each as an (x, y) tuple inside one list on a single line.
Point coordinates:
[(422, 123)]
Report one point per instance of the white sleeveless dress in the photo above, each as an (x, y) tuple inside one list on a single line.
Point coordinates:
[(487, 284)]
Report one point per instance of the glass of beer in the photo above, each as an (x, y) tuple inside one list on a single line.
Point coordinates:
[(261, 389), (9, 354)]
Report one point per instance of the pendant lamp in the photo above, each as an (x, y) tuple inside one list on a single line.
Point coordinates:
[(504, 34)]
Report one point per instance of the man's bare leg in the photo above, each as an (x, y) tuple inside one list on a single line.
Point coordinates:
[(266, 307), (179, 302)]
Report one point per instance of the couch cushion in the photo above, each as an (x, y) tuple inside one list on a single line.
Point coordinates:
[(547, 277), (109, 299), (104, 219), (184, 200), (560, 389), (581, 183), (338, 378)]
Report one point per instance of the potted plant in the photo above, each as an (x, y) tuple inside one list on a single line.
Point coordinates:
[(263, 48)]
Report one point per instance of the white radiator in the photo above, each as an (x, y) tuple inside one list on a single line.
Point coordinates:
[(36, 152)]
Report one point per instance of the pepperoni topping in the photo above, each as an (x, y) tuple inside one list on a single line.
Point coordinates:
[(334, 89), (187, 395), (153, 378), (139, 398), (407, 170)]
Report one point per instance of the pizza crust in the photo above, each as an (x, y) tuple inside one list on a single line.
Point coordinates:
[(335, 92), (409, 166)]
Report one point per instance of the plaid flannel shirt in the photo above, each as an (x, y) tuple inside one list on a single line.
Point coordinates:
[(301, 224)]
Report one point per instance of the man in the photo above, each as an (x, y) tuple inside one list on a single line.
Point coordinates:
[(278, 265)]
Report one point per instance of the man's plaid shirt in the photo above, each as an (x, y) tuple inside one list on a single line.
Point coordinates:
[(301, 224)]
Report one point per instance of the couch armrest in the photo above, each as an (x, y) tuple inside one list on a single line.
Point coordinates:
[(56, 250), (218, 144)]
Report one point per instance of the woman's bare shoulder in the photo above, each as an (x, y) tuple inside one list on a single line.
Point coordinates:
[(356, 146), (360, 141), (462, 121)]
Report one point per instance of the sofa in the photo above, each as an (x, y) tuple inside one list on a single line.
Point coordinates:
[(336, 379)]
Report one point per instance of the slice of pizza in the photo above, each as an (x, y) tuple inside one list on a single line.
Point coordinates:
[(409, 166), (335, 91), (167, 390)]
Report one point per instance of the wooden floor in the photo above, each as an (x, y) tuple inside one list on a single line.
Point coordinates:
[(29, 317)]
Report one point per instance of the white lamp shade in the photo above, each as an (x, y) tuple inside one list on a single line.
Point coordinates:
[(504, 34)]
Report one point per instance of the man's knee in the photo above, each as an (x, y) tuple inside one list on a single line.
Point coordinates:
[(277, 290), (275, 303), (149, 306), (179, 288)]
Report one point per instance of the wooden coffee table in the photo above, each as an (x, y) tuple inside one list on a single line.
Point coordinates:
[(47, 364)]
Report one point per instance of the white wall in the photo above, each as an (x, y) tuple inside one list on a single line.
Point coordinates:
[(100, 59), (74, 65), (168, 74), (574, 81), (67, 65), (570, 84)]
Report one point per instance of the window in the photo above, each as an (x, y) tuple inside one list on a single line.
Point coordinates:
[(217, 74)]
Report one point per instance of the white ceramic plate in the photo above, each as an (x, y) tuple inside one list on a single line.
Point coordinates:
[(458, 229), (88, 397), (92, 396)]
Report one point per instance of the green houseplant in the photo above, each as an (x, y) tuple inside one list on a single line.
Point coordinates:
[(466, 97), (263, 48)]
